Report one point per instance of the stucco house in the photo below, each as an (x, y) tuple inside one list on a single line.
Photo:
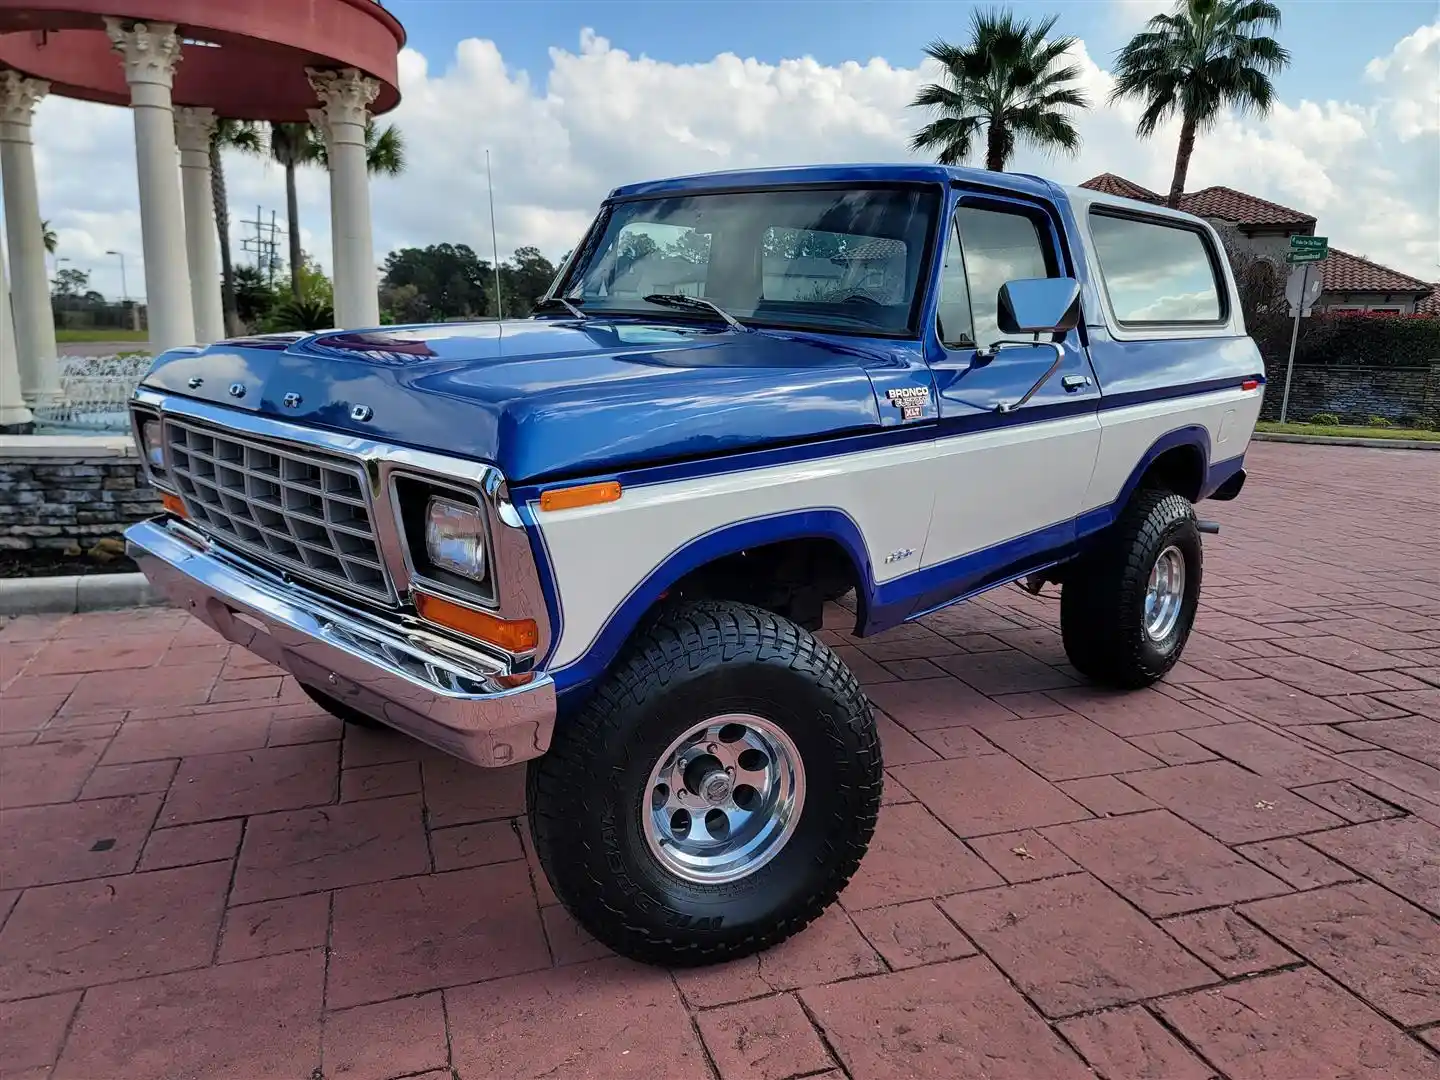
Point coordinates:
[(1264, 228)]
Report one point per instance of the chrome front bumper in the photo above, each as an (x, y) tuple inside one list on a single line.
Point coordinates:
[(456, 703)]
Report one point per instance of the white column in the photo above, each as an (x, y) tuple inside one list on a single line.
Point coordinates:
[(339, 272), (150, 52), (34, 321), (345, 97), (14, 415), (193, 128)]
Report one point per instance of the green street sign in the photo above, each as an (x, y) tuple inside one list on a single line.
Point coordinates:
[(1305, 249)]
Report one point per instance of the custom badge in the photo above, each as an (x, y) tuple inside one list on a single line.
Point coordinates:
[(910, 400)]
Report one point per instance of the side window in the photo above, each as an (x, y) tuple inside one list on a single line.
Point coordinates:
[(1154, 272), (953, 313), (650, 257), (999, 246)]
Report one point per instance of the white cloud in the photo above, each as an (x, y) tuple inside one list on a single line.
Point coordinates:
[(1410, 83), (601, 117)]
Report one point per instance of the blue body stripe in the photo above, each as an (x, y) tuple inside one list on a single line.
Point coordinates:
[(881, 606), (875, 440)]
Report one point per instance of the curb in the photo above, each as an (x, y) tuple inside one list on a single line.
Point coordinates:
[(1346, 440), (76, 594)]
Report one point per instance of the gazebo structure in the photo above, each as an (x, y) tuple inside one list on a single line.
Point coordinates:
[(180, 65)]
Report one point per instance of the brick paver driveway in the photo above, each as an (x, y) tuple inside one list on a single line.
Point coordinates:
[(1236, 873)]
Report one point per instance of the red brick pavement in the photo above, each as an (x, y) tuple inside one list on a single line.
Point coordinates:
[(1234, 874)]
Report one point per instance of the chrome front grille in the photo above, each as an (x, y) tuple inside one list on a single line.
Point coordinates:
[(302, 512)]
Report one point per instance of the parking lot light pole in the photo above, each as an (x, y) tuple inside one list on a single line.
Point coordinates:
[(124, 288)]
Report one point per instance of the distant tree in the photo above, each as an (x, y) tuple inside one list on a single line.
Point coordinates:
[(449, 280), (70, 282), (48, 236), (1008, 80), (1204, 57), (254, 297), (525, 277), (692, 246)]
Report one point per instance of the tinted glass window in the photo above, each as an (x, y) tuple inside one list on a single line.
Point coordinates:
[(846, 260), (954, 309), (1155, 273), (999, 247)]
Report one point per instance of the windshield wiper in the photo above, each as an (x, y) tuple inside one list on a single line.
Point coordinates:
[(678, 300), (547, 301)]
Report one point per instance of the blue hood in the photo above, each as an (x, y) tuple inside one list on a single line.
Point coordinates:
[(546, 398)]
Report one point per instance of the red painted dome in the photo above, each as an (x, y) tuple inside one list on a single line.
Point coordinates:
[(245, 59)]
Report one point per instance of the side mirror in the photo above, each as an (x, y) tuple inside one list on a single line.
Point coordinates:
[(1039, 306)]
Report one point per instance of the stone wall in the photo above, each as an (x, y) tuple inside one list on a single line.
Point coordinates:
[(1356, 393), (65, 492)]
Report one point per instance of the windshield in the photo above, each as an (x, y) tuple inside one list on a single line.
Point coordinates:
[(846, 260)]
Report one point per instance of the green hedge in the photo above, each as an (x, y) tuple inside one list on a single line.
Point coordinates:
[(1360, 339)]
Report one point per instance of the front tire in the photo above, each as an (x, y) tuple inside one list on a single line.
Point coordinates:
[(341, 711), (1127, 608), (715, 794)]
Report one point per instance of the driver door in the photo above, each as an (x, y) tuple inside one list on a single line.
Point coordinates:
[(1011, 483)]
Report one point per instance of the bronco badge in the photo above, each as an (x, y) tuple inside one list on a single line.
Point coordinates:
[(910, 400)]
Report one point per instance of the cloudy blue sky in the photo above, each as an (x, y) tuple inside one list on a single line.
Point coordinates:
[(575, 96)]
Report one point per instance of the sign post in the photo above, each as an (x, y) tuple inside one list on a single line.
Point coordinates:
[(1303, 250)]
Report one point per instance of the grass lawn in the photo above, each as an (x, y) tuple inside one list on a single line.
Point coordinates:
[(1347, 431), (101, 334)]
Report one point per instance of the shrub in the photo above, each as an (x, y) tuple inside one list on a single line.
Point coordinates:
[(301, 315), (1363, 338), (1325, 419), (1422, 423), (1379, 421)]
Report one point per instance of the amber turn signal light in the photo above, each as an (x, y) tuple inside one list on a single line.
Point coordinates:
[(584, 495), (512, 635), (173, 504)]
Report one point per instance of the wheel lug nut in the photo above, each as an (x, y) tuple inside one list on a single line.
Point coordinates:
[(713, 749)]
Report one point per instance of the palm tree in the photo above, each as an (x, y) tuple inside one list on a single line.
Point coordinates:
[(1203, 57), (293, 145), (49, 238), (242, 135), (1008, 80)]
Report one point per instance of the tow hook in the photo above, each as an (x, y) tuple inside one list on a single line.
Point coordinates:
[(1211, 527)]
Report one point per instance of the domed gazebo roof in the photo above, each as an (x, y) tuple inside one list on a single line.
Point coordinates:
[(245, 59)]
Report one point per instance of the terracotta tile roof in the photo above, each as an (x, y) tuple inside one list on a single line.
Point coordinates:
[(1430, 305), (1110, 184), (1350, 273), (1243, 209), (1224, 203)]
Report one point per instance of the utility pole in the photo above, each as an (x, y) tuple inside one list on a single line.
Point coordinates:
[(263, 244)]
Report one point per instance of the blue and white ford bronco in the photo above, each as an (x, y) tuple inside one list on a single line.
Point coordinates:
[(598, 539)]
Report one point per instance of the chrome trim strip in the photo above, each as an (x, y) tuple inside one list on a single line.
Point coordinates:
[(386, 671), (516, 579)]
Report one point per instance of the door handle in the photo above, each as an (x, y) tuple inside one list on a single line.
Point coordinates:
[(1071, 383)]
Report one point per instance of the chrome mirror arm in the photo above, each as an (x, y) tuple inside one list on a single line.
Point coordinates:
[(990, 351)]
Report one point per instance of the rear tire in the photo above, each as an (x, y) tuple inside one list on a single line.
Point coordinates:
[(338, 709), (1127, 608), (639, 875)]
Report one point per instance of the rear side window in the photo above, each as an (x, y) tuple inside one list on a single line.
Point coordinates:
[(1155, 273)]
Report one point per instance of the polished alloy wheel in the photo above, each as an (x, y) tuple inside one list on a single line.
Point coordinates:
[(1165, 594), (723, 799)]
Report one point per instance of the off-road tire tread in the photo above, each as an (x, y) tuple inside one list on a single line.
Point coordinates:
[(1098, 600), (678, 643)]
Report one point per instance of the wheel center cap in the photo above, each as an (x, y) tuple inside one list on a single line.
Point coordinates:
[(716, 789)]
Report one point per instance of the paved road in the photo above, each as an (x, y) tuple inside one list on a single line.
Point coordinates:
[(1236, 873)]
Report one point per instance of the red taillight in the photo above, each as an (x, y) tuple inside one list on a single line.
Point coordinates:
[(1249, 384)]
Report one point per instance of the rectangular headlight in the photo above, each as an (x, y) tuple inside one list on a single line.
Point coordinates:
[(151, 446), (455, 537)]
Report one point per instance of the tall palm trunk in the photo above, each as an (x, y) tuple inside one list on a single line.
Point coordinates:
[(220, 198), (292, 213), (1182, 162), (995, 147)]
